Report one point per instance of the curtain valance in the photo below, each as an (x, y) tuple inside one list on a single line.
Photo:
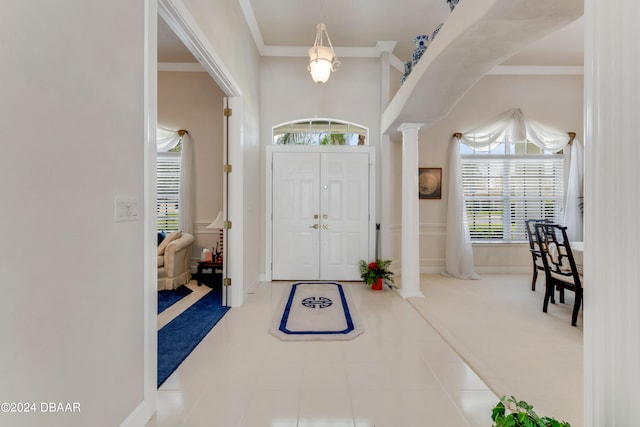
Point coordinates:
[(167, 139), (513, 128)]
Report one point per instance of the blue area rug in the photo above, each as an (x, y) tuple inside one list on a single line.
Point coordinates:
[(167, 298), (180, 336)]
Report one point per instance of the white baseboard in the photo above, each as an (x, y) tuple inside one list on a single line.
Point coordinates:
[(139, 417), (252, 287), (481, 270), (431, 270), (503, 270)]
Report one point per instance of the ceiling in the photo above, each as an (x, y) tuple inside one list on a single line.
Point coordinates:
[(356, 26)]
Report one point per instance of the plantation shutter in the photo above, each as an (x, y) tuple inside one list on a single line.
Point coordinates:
[(168, 191), (500, 192)]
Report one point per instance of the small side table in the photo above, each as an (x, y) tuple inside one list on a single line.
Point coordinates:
[(216, 271)]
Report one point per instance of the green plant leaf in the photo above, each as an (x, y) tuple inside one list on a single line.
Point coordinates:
[(522, 415), (498, 411)]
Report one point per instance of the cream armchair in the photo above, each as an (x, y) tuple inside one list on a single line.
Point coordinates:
[(174, 260)]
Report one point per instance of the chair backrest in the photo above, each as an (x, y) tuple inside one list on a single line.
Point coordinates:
[(556, 252), (530, 226)]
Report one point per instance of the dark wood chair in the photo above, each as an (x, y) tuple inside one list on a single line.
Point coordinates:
[(559, 265), (534, 249)]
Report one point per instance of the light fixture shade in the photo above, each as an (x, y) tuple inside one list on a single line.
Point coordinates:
[(322, 59), (320, 63), (217, 223)]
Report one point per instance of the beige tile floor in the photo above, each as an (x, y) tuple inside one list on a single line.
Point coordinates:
[(399, 373)]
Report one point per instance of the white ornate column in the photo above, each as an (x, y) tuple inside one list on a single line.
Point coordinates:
[(410, 231), (612, 206)]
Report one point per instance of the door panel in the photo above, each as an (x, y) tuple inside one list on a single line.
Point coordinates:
[(296, 187), (344, 203)]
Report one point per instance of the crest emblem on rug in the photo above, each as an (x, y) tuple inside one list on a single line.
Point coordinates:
[(317, 302)]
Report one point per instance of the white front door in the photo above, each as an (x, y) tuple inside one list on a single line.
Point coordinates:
[(321, 218), (344, 201), (296, 211)]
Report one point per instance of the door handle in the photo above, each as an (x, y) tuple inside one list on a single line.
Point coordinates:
[(325, 226), (315, 226)]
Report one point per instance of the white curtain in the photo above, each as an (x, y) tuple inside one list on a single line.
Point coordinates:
[(574, 203), (511, 127), (186, 185), (167, 140), (459, 252)]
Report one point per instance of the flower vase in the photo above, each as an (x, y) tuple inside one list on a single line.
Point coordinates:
[(407, 71), (435, 32), (377, 285), (421, 46)]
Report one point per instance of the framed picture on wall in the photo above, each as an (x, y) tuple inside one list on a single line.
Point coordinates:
[(430, 183)]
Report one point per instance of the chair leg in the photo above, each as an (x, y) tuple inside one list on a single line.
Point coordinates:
[(576, 308), (548, 294), (535, 278), (561, 292)]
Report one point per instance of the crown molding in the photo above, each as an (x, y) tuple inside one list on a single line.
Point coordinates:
[(284, 51), (252, 23), (303, 51), (341, 52), (396, 63), (539, 70)]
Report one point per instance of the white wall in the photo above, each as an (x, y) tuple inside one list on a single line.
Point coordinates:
[(193, 101), (556, 101), (72, 115)]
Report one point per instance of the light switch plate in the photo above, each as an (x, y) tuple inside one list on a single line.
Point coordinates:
[(125, 208)]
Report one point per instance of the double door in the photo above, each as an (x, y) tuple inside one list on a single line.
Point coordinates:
[(321, 215)]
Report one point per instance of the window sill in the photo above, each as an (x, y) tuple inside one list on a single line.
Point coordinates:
[(501, 242)]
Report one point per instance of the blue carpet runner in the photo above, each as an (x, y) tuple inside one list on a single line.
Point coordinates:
[(180, 336), (167, 298)]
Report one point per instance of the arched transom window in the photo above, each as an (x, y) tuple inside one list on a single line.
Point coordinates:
[(320, 132)]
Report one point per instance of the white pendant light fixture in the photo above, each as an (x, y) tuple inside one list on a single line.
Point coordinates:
[(322, 59)]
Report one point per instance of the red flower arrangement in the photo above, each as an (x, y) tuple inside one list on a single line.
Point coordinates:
[(378, 269)]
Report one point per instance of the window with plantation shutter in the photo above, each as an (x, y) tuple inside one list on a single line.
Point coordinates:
[(168, 191), (502, 190)]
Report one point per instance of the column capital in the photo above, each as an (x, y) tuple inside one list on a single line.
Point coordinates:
[(409, 126)]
